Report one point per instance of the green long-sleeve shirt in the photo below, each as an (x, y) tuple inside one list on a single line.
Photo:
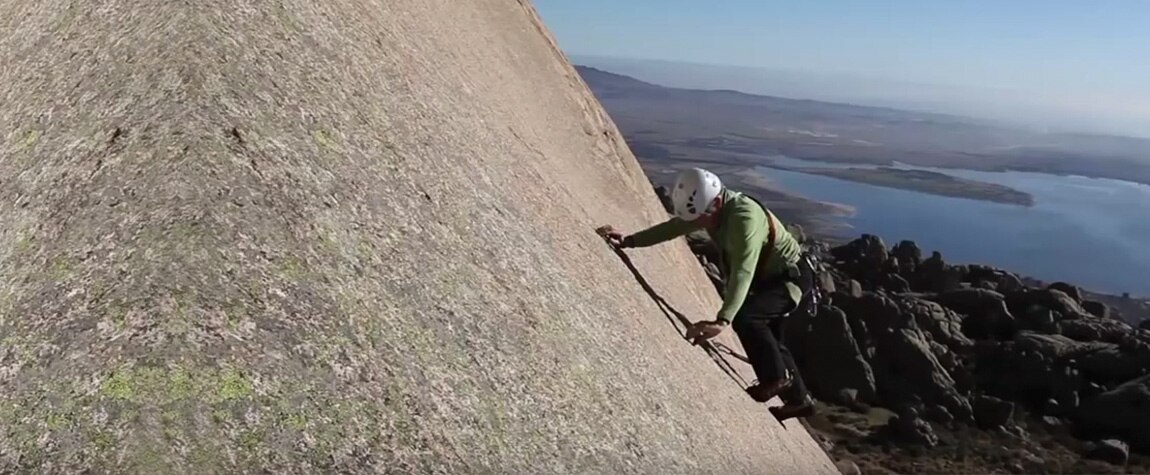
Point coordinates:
[(742, 235)]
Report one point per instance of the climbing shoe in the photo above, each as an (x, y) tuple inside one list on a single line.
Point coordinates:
[(803, 409), (764, 392)]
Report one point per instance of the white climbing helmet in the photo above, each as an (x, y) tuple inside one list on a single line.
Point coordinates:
[(693, 192)]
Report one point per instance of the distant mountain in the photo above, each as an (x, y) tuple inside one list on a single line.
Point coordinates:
[(609, 84), (1107, 114), (801, 128), (606, 81)]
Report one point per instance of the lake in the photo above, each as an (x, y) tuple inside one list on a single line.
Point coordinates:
[(1086, 231)]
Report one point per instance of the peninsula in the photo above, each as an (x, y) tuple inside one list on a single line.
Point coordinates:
[(923, 181)]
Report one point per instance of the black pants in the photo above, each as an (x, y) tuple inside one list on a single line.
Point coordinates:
[(759, 325)]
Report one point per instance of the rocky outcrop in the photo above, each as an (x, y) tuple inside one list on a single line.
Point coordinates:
[(986, 313), (1071, 291), (968, 345), (908, 371), (907, 256), (943, 324), (1066, 307), (907, 427), (1096, 308), (1096, 329), (826, 347), (865, 258), (939, 333), (1120, 412), (1112, 451), (991, 412)]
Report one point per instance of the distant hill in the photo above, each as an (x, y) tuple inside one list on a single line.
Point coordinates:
[(654, 116), (612, 85)]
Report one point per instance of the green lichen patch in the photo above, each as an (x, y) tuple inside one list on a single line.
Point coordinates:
[(234, 386), (286, 19), (61, 268), (154, 385), (28, 139), (323, 138), (24, 243), (292, 268)]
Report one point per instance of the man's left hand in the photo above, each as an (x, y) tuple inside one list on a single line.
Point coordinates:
[(703, 331)]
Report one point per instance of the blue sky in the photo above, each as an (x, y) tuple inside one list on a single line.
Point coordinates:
[(1071, 52), (966, 42)]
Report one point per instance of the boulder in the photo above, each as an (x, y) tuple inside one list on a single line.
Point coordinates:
[(952, 278), (964, 378), (908, 428), (1021, 301), (1015, 432), (1055, 347), (1038, 318), (906, 370), (1096, 308), (971, 301), (1121, 412), (1096, 329), (938, 414), (827, 283), (949, 361), (850, 431), (1032, 369), (930, 274), (991, 412), (907, 256), (878, 311), (943, 325), (907, 251), (831, 357), (846, 467), (849, 398), (1008, 282), (1031, 463), (1065, 403), (854, 289), (868, 251), (985, 284), (892, 282), (987, 316), (1115, 364), (1092, 389), (1111, 451), (1070, 290), (1052, 406)]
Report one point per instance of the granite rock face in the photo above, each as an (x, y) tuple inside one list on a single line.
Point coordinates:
[(339, 236)]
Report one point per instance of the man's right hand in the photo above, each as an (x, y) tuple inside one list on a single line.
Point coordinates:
[(614, 237)]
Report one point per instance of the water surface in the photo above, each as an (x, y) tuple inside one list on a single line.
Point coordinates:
[(1088, 231)]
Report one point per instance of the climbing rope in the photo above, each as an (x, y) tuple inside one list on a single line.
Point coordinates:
[(714, 349)]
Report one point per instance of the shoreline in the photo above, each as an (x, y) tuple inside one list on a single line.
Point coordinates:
[(926, 182)]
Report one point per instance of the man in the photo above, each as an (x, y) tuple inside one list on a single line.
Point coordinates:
[(765, 272)]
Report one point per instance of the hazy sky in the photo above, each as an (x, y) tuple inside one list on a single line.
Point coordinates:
[(1090, 54)]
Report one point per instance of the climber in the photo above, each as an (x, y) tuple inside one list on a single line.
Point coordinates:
[(766, 277)]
